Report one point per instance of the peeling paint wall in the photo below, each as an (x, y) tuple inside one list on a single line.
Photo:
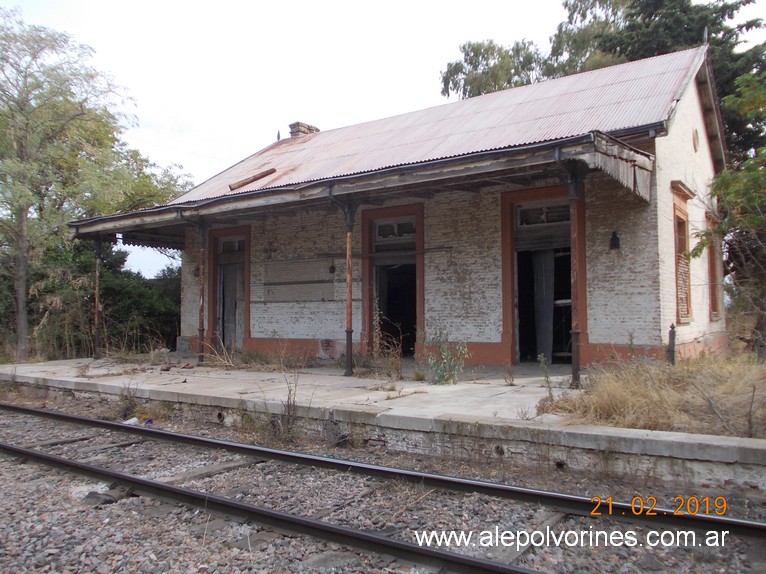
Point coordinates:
[(622, 284), (189, 291), (312, 302), (677, 160), (282, 305), (631, 291), (463, 295)]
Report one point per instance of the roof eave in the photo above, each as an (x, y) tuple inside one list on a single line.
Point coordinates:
[(397, 177), (712, 115)]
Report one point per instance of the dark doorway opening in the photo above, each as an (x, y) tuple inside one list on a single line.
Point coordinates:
[(231, 306), (397, 304), (544, 304)]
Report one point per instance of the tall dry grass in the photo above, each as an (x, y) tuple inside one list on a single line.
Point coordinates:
[(719, 396)]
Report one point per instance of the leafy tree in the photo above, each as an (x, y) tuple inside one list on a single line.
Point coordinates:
[(604, 32), (139, 314), (488, 67), (741, 203), (574, 46), (7, 303), (750, 97), (654, 27), (60, 152), (741, 195), (52, 113)]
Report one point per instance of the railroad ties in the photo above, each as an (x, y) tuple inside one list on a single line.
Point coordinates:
[(132, 457)]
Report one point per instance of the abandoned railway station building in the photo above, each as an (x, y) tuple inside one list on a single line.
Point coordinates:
[(553, 219)]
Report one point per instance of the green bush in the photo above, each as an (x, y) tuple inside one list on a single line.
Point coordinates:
[(445, 359)]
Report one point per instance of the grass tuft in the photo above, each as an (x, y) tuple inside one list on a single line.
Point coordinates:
[(719, 396)]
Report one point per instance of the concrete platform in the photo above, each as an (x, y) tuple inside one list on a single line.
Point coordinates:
[(480, 393), (481, 416)]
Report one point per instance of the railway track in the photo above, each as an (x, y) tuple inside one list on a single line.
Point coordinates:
[(373, 528)]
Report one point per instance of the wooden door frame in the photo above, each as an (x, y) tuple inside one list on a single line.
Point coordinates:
[(508, 202), (369, 216), (214, 236)]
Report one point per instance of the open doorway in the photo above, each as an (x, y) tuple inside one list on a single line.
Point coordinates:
[(544, 304), (392, 294), (230, 312), (543, 281), (397, 303)]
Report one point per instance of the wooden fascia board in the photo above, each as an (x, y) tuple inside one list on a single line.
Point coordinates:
[(392, 179), (180, 214), (712, 118), (111, 225), (437, 174)]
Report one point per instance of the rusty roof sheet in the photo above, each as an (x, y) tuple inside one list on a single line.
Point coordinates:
[(610, 99)]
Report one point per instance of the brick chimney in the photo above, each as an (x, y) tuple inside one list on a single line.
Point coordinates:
[(299, 129)]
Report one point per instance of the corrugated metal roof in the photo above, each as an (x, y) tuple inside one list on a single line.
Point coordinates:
[(610, 99)]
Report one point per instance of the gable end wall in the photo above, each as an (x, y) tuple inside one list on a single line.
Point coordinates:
[(677, 160)]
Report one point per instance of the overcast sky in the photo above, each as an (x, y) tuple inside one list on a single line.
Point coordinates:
[(214, 82)]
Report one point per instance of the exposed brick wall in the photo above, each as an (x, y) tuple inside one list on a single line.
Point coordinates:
[(622, 290), (463, 295), (306, 239), (312, 241)]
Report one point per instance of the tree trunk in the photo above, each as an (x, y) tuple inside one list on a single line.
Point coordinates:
[(20, 284)]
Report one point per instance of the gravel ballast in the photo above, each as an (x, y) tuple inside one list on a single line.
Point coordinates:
[(50, 524)]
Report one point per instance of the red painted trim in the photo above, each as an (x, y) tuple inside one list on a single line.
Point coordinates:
[(508, 202), (508, 277), (213, 237), (495, 354), (711, 344), (582, 269), (594, 352), (368, 266), (488, 354)]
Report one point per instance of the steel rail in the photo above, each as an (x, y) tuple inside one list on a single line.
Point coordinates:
[(364, 540), (567, 503)]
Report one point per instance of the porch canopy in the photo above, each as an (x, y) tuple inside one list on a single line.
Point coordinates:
[(165, 226)]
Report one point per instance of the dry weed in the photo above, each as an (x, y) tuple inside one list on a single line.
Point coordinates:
[(720, 396)]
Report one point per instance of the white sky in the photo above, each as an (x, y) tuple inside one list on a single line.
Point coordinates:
[(213, 82)]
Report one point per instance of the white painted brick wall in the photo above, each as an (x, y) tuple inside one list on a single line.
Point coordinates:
[(190, 286), (622, 291), (463, 285), (304, 237), (677, 160)]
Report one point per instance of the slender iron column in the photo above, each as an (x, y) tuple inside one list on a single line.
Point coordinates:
[(573, 194), (572, 178)]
